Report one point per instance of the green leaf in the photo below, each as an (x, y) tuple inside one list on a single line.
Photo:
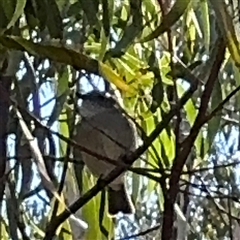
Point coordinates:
[(54, 20), (31, 17), (9, 7), (90, 212), (3, 230), (168, 147), (62, 94), (63, 80), (105, 32), (169, 20), (214, 123), (90, 9), (67, 56), (66, 232), (162, 151), (104, 44), (225, 22), (55, 53), (164, 65), (114, 78), (160, 197), (18, 11), (157, 95), (131, 31), (148, 125), (189, 107), (133, 61), (71, 193), (63, 130), (41, 13), (205, 23), (6, 11)]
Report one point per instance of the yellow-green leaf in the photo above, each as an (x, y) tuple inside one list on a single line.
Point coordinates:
[(90, 212), (55, 53), (169, 20), (114, 78), (226, 26), (67, 56), (19, 8)]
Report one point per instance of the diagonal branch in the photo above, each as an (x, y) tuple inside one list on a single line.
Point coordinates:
[(52, 227), (180, 160)]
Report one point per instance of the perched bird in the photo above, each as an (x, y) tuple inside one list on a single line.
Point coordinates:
[(104, 130)]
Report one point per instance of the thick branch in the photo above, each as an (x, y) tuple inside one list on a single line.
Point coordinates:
[(180, 160)]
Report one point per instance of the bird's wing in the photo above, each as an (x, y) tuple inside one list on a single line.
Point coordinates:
[(118, 136), (89, 138)]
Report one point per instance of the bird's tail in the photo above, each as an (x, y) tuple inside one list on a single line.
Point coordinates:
[(119, 201)]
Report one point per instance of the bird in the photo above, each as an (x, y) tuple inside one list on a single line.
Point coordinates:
[(106, 131)]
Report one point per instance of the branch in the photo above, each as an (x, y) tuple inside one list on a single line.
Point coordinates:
[(220, 106), (5, 84), (205, 169), (180, 160), (52, 227)]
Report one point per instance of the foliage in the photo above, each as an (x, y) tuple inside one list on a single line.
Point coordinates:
[(174, 67)]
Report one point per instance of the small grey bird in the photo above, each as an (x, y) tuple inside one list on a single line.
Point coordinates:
[(107, 132)]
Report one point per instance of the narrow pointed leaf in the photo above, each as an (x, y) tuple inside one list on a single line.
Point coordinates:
[(19, 8), (226, 26), (169, 20)]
